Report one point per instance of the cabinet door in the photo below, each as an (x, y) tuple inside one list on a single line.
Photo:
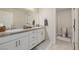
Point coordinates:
[(43, 34), (23, 43), (32, 39), (40, 35), (35, 37), (12, 45)]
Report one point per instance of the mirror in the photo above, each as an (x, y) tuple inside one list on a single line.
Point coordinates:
[(6, 19), (15, 17)]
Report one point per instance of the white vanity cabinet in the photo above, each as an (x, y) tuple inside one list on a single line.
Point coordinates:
[(41, 35), (22, 41), (32, 39), (14, 42), (12, 45), (36, 37)]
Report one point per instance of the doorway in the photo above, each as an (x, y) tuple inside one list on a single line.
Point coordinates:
[(64, 29)]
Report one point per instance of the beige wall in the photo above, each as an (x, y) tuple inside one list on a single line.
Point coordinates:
[(19, 18)]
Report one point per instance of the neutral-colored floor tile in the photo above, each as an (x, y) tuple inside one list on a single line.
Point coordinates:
[(43, 45), (62, 45)]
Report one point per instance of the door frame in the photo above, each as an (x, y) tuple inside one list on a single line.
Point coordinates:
[(74, 37), (76, 28), (73, 28)]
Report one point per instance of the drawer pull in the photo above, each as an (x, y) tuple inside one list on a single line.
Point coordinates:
[(16, 44), (19, 42)]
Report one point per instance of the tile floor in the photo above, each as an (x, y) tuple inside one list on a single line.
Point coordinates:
[(43, 45), (60, 45)]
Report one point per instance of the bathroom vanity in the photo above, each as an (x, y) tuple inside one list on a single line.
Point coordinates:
[(21, 39)]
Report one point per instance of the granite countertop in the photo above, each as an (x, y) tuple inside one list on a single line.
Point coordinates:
[(16, 31)]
